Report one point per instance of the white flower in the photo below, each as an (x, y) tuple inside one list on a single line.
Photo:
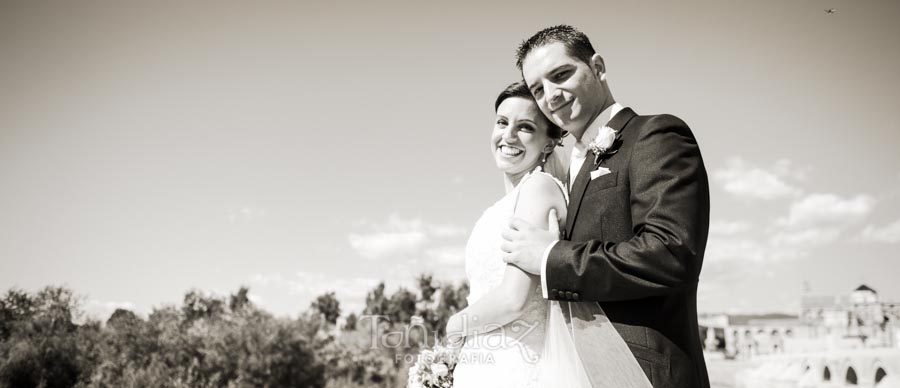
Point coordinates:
[(604, 139), (440, 369)]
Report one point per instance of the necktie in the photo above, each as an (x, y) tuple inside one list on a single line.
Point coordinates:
[(579, 152)]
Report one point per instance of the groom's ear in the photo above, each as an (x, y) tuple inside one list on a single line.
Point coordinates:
[(597, 64)]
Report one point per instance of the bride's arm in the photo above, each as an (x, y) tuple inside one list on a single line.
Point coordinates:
[(507, 301)]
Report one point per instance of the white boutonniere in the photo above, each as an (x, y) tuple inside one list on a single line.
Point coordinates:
[(606, 143)]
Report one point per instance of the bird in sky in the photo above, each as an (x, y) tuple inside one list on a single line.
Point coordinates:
[(831, 11)]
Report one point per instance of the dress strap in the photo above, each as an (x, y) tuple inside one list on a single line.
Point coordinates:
[(538, 170)]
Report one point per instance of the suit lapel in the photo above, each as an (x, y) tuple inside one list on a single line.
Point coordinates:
[(618, 123), (575, 195), (622, 118)]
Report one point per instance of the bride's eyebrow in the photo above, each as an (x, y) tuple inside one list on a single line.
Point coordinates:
[(526, 121)]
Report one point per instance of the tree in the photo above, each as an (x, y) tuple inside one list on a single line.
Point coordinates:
[(55, 308), (402, 306), (350, 322), (197, 306), (15, 307), (123, 319), (240, 301), (21, 367), (327, 305), (292, 363), (41, 347), (450, 301), (376, 302), (426, 286)]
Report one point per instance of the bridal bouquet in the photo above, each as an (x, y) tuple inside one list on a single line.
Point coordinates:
[(433, 368)]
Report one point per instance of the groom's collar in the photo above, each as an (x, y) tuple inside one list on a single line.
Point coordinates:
[(600, 121)]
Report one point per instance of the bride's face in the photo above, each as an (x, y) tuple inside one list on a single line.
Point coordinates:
[(520, 136)]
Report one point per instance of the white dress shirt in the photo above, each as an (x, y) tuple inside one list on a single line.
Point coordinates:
[(579, 153)]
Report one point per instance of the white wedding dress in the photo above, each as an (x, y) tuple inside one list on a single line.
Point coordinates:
[(524, 353)]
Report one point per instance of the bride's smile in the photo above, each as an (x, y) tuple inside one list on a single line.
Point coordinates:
[(509, 150)]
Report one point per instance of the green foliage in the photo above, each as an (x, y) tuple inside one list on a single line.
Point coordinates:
[(213, 341)]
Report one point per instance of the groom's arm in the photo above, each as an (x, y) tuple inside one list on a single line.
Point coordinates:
[(544, 257), (670, 219)]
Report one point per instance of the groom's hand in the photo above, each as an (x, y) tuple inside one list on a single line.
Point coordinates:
[(524, 244)]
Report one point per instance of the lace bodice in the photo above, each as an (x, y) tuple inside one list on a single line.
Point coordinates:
[(515, 362), (484, 259)]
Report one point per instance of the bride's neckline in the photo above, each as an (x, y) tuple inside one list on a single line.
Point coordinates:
[(524, 178)]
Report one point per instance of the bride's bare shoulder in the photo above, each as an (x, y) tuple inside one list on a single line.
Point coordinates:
[(543, 190)]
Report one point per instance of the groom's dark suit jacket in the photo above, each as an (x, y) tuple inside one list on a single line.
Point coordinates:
[(636, 238)]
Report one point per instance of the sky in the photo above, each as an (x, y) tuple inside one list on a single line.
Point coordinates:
[(299, 148)]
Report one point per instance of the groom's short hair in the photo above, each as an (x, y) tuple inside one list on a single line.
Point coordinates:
[(577, 43)]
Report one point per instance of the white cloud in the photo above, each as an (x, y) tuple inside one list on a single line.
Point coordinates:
[(446, 230), (887, 234), (812, 221), (725, 249), (388, 244), (806, 237), (780, 245), (728, 228), (399, 238), (744, 180), (751, 250), (452, 255), (786, 168), (256, 299), (817, 209)]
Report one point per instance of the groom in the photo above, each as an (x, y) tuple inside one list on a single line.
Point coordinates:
[(638, 215)]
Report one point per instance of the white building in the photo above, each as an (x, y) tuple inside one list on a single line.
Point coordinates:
[(835, 341), (853, 321)]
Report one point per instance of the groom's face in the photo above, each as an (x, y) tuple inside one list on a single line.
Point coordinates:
[(567, 90)]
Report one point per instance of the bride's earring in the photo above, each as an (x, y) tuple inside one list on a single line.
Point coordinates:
[(602, 76), (547, 150)]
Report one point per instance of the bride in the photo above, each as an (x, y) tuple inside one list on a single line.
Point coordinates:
[(509, 335)]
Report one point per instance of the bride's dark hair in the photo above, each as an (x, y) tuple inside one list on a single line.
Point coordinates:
[(519, 89)]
